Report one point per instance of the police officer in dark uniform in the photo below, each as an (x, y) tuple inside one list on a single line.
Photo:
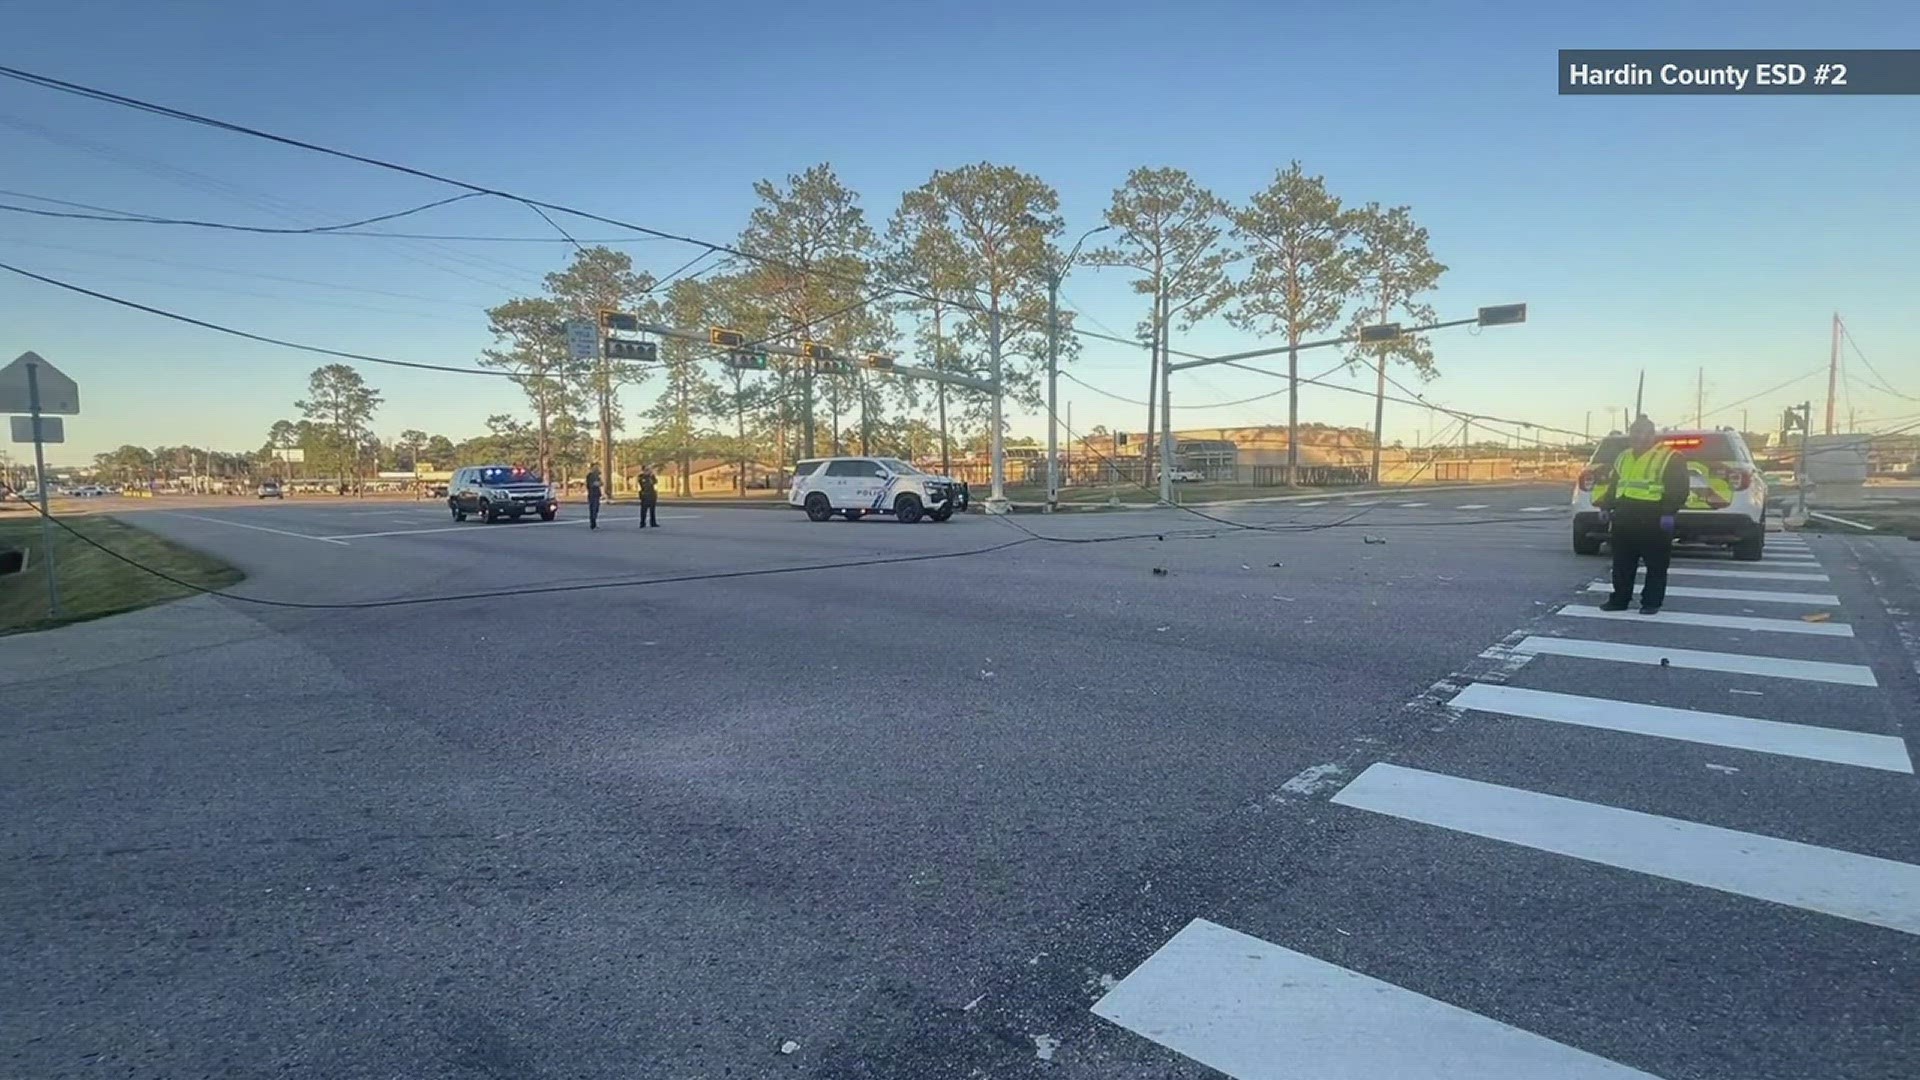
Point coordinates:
[(593, 497), (1647, 488), (649, 497)]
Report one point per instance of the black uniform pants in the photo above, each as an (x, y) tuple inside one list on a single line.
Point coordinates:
[(1633, 544), (647, 516), (593, 511)]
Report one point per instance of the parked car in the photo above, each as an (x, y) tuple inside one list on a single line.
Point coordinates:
[(1186, 476), (270, 489), (854, 487), (1727, 494), (497, 491)]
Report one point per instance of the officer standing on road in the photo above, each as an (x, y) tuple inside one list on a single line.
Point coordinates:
[(593, 497), (1648, 486), (649, 497)]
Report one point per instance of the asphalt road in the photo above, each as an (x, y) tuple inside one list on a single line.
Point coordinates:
[(1004, 811)]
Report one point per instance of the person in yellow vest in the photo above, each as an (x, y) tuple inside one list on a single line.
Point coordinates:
[(1648, 487)]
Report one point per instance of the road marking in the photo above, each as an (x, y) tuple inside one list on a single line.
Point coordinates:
[(260, 528), (1774, 575), (1255, 1011), (1474, 506), (1692, 725), (1312, 504), (1410, 506), (1724, 622), (1539, 509), (1735, 663), (1863, 888), (1753, 595)]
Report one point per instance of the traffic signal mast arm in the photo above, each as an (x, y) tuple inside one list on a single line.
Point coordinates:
[(713, 336), (1488, 316)]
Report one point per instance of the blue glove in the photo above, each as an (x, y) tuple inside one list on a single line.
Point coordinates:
[(1666, 524)]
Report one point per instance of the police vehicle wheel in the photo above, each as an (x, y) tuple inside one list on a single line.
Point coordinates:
[(853, 515), (548, 515), (907, 510), (818, 508), (487, 515), (1584, 544), (1751, 548), (942, 515), (458, 514)]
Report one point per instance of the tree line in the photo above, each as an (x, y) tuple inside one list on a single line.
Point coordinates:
[(964, 258), (963, 263)]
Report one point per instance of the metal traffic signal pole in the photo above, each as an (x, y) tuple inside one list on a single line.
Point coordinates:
[(40, 479)]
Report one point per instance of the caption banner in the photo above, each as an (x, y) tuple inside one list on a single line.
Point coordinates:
[(1740, 71)]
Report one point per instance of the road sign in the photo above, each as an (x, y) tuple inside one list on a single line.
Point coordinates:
[(293, 455), (583, 340), (731, 339), (1503, 314), (52, 429), (1383, 332), (882, 362), (620, 320), (58, 394)]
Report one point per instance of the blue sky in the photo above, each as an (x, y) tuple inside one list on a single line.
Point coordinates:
[(1673, 234)]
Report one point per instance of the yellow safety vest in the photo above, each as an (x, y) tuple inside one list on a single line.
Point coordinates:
[(1639, 477)]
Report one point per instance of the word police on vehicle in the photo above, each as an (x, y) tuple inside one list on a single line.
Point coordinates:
[(854, 487)]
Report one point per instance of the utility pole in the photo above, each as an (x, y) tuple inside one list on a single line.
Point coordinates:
[(1166, 404), (1379, 409), (1639, 395), (1833, 370), (1700, 399), (1053, 388), (1053, 366), (1806, 430), (1586, 429), (997, 465)]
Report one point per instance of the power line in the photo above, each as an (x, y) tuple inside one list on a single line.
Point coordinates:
[(1847, 332), (144, 219), (1769, 390), (111, 98)]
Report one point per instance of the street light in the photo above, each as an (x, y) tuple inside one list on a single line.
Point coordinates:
[(1054, 275)]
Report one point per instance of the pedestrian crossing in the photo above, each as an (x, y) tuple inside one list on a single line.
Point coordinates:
[(1254, 1009)]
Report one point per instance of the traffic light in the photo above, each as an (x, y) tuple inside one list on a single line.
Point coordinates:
[(619, 320), (880, 362), (747, 360), (731, 339), (813, 350), (1119, 438), (833, 367), (1503, 314), (1792, 420), (646, 352)]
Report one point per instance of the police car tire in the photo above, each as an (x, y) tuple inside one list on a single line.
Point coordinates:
[(458, 514), (907, 509), (1584, 544), (548, 515), (1751, 549), (941, 515), (818, 508), (487, 515)]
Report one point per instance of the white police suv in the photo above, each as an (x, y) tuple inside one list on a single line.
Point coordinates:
[(1726, 499), (854, 487)]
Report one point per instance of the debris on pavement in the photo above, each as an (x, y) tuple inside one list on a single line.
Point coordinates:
[(971, 1005), (1720, 768), (1818, 616), (1044, 1046), (1159, 571), (1371, 539), (789, 1046)]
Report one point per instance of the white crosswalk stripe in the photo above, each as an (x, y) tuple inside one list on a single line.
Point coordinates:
[(1411, 505), (1474, 506), (1540, 509), (1758, 596), (1669, 616), (1863, 888), (1256, 1011), (1692, 725), (1735, 663), (1769, 575)]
